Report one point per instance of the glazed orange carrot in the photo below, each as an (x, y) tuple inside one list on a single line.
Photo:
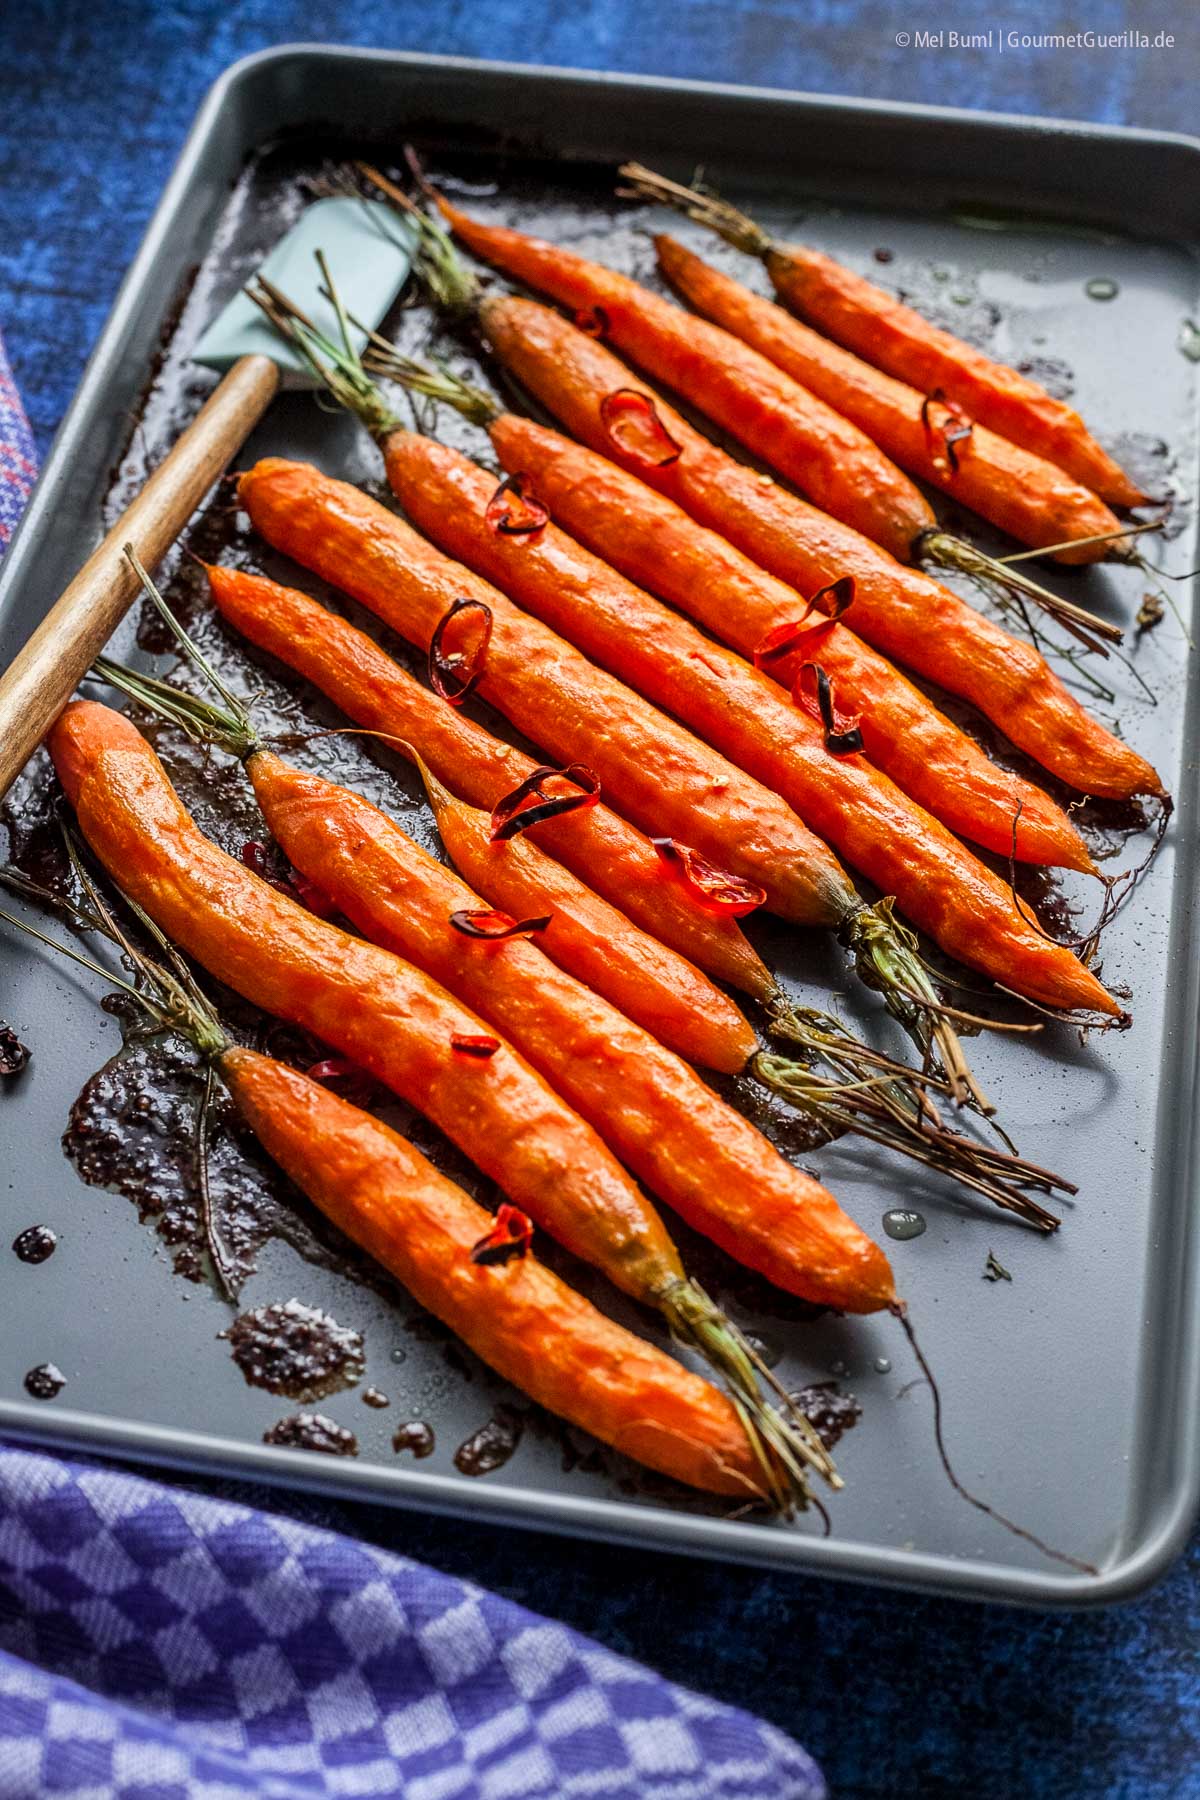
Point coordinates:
[(878, 327), (937, 882), (659, 775), (655, 543), (597, 845), (519, 1317), (1032, 499), (901, 611), (818, 449), (666, 1124)]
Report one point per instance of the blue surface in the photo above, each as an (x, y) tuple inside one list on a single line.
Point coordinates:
[(895, 1696)]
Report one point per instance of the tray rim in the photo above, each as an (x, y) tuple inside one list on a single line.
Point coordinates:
[(613, 1521)]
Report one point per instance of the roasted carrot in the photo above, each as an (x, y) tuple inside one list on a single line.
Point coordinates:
[(834, 462), (894, 337), (598, 845), (516, 1315), (901, 611), (656, 544), (666, 1124), (936, 881), (1024, 494), (519, 1317)]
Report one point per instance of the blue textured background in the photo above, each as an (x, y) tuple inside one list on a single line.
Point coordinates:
[(895, 1696)]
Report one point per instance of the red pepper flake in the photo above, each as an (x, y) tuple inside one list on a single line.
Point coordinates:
[(530, 804), (496, 926), (455, 673), (954, 427), (631, 421), (351, 1081), (831, 601), (508, 1240), (814, 692), (713, 889), (478, 1045), (514, 510), (592, 321)]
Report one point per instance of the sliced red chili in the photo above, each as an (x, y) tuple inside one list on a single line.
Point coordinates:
[(954, 427), (831, 601), (814, 692), (495, 925), (593, 321), (509, 1238), (631, 421), (530, 804), (455, 673), (713, 889), (478, 1044), (514, 511)]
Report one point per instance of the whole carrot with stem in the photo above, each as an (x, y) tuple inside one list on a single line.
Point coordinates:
[(407, 1031), (898, 610), (1035, 501), (667, 1126), (514, 1313), (661, 777), (765, 409), (876, 326)]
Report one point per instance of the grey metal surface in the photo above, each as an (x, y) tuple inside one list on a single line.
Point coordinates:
[(1072, 1394)]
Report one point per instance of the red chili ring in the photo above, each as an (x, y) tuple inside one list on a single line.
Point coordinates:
[(495, 926), (629, 408), (511, 816), (445, 667)]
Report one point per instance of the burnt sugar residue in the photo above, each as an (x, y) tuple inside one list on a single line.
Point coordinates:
[(373, 1396), (492, 1445), (14, 1055), (416, 1437), (312, 1431), (296, 1350), (831, 1412), (45, 1382), (35, 1244)]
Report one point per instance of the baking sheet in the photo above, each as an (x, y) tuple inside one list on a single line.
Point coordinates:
[(1070, 1393)]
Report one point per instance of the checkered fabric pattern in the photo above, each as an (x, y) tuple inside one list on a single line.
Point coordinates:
[(161, 1645)]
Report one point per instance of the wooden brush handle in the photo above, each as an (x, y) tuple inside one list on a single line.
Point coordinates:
[(42, 677)]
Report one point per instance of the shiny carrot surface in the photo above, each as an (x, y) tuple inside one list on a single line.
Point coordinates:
[(372, 1006), (834, 462), (597, 845), (898, 610), (664, 779), (661, 1119), (1024, 494), (877, 326), (521, 1319), (936, 881), (657, 545)]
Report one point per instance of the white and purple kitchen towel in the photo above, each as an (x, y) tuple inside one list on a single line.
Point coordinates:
[(157, 1644)]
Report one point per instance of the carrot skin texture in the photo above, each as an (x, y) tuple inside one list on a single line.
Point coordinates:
[(597, 845), (370, 1005), (1034, 500), (520, 1318), (900, 611), (880, 328), (834, 462), (658, 546), (938, 883), (592, 941), (660, 775), (713, 1167)]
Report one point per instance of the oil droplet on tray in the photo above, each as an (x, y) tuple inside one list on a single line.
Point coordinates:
[(900, 1223), (1101, 287), (1189, 339), (883, 1365)]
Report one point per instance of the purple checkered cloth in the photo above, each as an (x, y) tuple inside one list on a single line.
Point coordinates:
[(161, 1645)]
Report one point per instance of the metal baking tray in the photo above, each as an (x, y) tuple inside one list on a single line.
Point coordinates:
[(1072, 1394)]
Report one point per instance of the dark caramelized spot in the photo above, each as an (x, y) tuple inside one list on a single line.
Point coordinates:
[(416, 1436), (312, 1431), (13, 1054), (296, 1350), (44, 1382), (830, 1412), (35, 1244), (491, 1446)]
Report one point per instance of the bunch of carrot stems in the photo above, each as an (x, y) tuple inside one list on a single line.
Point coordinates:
[(709, 663)]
